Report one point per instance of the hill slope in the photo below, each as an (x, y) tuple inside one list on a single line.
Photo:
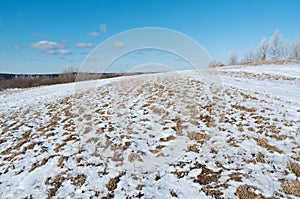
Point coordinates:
[(155, 136)]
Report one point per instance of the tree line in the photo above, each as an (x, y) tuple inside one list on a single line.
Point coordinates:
[(273, 49)]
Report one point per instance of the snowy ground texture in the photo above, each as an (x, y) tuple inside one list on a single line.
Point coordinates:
[(172, 135)]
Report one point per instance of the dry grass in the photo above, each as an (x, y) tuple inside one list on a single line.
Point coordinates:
[(293, 166), (260, 157), (267, 62), (246, 192), (243, 108), (263, 142), (134, 156), (198, 136), (213, 150), (180, 174), (291, 187), (169, 138), (246, 96), (113, 182), (207, 176), (79, 180), (58, 180), (178, 128), (2, 141), (232, 142), (92, 140), (60, 162), (211, 192), (173, 193), (193, 148), (207, 119), (236, 177)]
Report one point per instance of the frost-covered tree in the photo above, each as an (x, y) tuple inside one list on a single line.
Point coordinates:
[(295, 50), (276, 46), (215, 63), (262, 50), (232, 58), (249, 56), (286, 50)]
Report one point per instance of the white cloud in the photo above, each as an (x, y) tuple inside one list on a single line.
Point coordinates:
[(49, 47), (64, 52), (49, 52), (103, 28), (94, 34), (45, 45), (84, 45), (119, 44)]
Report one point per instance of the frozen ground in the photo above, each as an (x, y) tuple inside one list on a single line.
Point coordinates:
[(155, 136)]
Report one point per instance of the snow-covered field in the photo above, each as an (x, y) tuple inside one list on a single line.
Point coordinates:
[(171, 135)]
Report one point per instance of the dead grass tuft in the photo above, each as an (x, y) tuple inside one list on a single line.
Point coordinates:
[(2, 141), (263, 142), (92, 139), (293, 166), (207, 176), (58, 180), (193, 148), (133, 157), (169, 138), (173, 193), (246, 192), (291, 187), (198, 136), (180, 174), (113, 182), (178, 128), (211, 192), (260, 157), (60, 162), (207, 119), (79, 180), (213, 150), (243, 108), (236, 177)]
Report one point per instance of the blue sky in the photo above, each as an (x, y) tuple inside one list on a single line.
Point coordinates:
[(46, 36)]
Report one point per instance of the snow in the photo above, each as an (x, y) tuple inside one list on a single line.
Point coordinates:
[(158, 136)]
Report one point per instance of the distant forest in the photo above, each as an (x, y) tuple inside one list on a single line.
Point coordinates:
[(33, 80)]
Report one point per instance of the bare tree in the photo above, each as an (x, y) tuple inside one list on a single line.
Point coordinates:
[(215, 63), (276, 46), (232, 58), (262, 50), (295, 50), (249, 56), (68, 74)]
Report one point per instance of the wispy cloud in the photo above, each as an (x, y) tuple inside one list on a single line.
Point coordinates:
[(45, 45), (39, 35), (64, 52), (103, 28), (84, 45), (17, 47), (94, 34), (119, 44), (49, 52)]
